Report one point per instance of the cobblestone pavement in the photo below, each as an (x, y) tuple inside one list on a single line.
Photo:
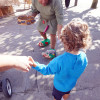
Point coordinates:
[(22, 40)]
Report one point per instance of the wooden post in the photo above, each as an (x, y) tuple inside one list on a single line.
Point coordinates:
[(1, 14), (27, 2), (75, 4), (94, 4)]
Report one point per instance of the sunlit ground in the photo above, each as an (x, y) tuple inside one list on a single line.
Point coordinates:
[(22, 40)]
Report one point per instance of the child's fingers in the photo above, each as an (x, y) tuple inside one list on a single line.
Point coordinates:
[(30, 59)]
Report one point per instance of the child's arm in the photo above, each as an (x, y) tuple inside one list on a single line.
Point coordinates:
[(18, 62), (52, 68)]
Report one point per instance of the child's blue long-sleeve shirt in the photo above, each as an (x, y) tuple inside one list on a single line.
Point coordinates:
[(67, 69)]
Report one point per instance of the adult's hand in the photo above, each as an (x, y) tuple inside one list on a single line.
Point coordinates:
[(32, 62), (22, 63), (31, 14)]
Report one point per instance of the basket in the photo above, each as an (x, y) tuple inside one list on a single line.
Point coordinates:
[(25, 20)]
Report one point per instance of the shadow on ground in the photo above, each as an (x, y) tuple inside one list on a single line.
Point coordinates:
[(22, 40)]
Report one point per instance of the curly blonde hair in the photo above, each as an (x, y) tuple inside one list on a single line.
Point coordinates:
[(76, 35)]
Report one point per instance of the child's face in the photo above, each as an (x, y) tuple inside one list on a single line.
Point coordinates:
[(43, 2)]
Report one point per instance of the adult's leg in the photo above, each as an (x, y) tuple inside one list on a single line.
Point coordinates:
[(51, 53), (53, 40), (65, 97), (45, 42), (43, 35), (54, 99), (67, 2)]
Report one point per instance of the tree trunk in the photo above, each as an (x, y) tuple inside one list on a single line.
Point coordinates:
[(94, 4), (67, 2), (1, 14), (75, 4)]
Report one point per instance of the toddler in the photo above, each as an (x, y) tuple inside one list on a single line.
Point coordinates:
[(69, 66)]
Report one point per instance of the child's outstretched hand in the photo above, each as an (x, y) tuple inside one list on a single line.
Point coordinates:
[(32, 62)]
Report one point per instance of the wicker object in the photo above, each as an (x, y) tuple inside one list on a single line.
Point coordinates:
[(9, 2), (25, 20), (6, 10)]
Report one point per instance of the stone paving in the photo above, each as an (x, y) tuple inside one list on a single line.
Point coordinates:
[(22, 40)]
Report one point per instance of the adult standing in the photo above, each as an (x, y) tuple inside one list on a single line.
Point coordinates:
[(50, 22)]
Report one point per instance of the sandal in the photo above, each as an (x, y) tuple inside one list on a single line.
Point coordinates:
[(49, 54), (44, 43)]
